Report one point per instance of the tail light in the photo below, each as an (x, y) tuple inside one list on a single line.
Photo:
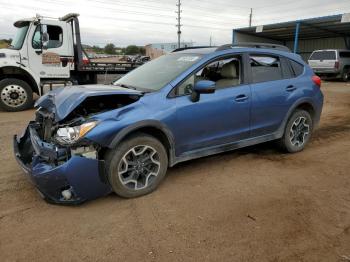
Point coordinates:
[(316, 80), (86, 61), (336, 65)]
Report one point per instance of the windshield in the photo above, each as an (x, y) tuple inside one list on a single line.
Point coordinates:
[(156, 74), (17, 42)]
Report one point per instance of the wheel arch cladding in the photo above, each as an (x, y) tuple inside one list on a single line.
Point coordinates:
[(308, 107), (21, 74), (303, 104), (152, 128)]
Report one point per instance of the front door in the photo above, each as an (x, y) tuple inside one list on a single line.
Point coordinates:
[(216, 119), (53, 60)]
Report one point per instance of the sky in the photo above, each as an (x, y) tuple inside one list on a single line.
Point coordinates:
[(141, 22)]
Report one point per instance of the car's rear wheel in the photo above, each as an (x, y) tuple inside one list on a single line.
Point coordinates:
[(346, 75), (137, 166), (297, 131), (15, 95)]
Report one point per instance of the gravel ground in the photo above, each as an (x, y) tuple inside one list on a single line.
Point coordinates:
[(253, 204)]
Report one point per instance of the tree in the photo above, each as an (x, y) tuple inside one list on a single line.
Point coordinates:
[(110, 49), (132, 50), (97, 49)]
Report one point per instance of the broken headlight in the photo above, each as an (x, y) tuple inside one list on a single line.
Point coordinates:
[(70, 135)]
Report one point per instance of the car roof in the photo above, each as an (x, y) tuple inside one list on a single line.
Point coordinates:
[(213, 50), (202, 51)]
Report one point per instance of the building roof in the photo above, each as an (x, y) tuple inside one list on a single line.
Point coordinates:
[(312, 28)]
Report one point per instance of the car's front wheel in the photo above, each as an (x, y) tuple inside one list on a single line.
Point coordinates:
[(297, 131), (137, 166)]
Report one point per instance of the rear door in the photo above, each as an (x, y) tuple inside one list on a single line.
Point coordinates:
[(323, 59), (273, 93)]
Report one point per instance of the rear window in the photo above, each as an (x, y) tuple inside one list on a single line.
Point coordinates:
[(344, 54), (323, 55)]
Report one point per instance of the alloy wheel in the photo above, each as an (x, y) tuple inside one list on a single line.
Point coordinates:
[(138, 167), (13, 95), (299, 131)]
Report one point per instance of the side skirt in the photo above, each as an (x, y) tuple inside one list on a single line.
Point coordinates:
[(225, 147)]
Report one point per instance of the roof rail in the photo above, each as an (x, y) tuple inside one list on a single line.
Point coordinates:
[(254, 45), (191, 47)]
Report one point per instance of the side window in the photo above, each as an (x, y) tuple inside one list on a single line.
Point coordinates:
[(287, 70), (36, 42), (298, 69), (225, 72), (344, 54), (265, 68), (55, 36)]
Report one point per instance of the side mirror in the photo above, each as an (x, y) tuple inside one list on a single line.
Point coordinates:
[(45, 40), (202, 87)]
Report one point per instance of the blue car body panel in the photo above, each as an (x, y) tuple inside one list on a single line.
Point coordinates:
[(227, 119)]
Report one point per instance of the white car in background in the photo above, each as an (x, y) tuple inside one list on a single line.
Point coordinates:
[(331, 63)]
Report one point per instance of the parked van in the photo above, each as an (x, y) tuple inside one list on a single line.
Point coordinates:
[(331, 63)]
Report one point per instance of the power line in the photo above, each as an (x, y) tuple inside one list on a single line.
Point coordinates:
[(162, 9), (133, 12)]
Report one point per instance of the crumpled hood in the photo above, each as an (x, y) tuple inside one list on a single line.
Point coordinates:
[(62, 101)]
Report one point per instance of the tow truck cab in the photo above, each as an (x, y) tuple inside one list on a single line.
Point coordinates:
[(47, 52)]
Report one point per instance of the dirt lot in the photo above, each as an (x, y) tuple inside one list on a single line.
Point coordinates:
[(254, 204)]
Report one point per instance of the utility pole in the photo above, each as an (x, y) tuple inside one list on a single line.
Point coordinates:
[(178, 23), (250, 17)]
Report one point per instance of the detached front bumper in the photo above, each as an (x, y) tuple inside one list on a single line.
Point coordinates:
[(83, 177)]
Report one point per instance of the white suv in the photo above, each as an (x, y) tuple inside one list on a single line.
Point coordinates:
[(331, 63)]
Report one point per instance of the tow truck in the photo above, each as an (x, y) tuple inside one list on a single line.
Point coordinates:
[(46, 53)]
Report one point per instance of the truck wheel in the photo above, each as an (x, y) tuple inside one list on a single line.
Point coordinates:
[(297, 132), (15, 95), (137, 166), (346, 75)]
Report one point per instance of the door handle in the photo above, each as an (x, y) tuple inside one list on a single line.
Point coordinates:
[(241, 98), (290, 88)]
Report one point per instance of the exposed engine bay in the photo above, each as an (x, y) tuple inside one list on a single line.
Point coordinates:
[(90, 106), (45, 130)]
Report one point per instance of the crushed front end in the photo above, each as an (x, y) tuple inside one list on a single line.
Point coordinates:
[(64, 174)]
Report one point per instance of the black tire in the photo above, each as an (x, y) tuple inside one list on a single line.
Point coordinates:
[(346, 75), (114, 162), (292, 145), (21, 89)]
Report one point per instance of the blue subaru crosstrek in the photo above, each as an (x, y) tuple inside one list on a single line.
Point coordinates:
[(88, 141)]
